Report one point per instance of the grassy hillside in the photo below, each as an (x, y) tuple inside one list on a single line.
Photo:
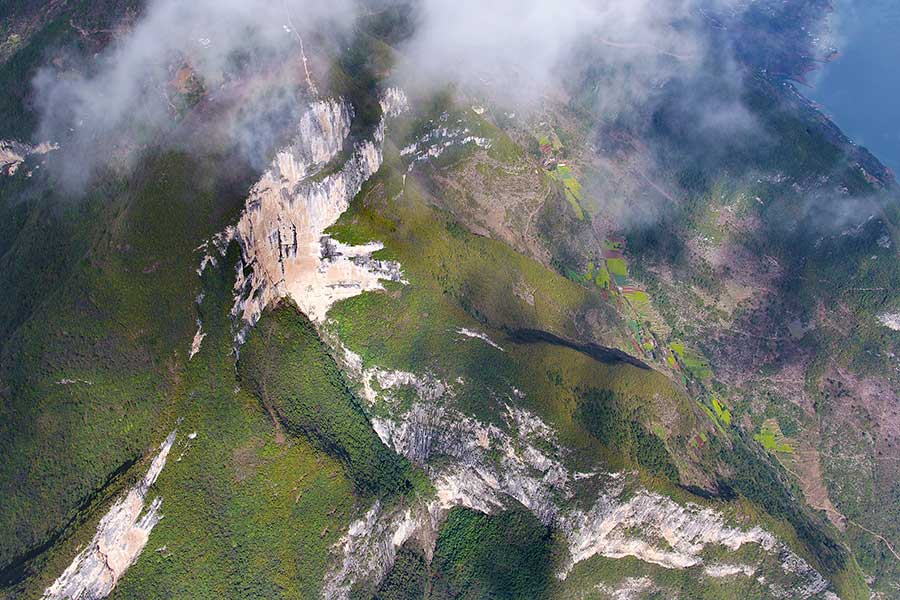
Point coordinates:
[(92, 357), (287, 367), (249, 512), (457, 279)]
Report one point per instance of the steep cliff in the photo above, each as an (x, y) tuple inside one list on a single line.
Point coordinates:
[(282, 231)]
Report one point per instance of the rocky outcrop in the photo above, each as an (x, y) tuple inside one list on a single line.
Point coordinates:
[(284, 249), (728, 570), (471, 333), (197, 341), (485, 466), (13, 154), (121, 536), (439, 138), (672, 536), (370, 545), (490, 466), (890, 320)]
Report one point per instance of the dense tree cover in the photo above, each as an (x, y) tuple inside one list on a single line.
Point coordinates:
[(504, 556), (99, 292), (288, 368), (408, 579), (611, 422)]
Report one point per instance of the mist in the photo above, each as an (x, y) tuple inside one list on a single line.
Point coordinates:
[(135, 90), (620, 55), (619, 61), (519, 52)]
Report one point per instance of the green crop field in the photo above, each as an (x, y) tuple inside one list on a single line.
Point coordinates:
[(770, 437), (693, 361), (617, 266), (722, 412), (638, 296), (573, 189)]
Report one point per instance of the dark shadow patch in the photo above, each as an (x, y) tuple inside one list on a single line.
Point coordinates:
[(610, 356)]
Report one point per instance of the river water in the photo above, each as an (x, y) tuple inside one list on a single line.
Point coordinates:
[(860, 90)]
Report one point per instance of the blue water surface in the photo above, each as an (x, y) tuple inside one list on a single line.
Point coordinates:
[(860, 90)]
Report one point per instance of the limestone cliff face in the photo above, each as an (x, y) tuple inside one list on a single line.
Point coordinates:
[(282, 230), (13, 154), (121, 536), (485, 466), (285, 253)]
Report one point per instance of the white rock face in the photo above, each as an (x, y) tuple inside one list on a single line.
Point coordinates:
[(370, 545), (426, 386), (686, 531), (471, 333), (120, 538), (213, 250), (890, 320), (441, 137), (197, 341), (632, 588), (485, 466), (673, 536), (13, 154), (727, 570), (813, 583), (282, 230)]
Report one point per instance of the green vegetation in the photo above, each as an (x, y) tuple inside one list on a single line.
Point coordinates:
[(506, 556), (288, 368), (441, 110), (603, 279), (354, 75), (564, 175), (408, 579), (599, 276), (90, 360), (611, 574), (771, 438), (457, 279), (760, 481), (247, 513), (613, 245), (606, 417), (550, 140), (693, 361), (637, 296), (722, 412), (618, 267)]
